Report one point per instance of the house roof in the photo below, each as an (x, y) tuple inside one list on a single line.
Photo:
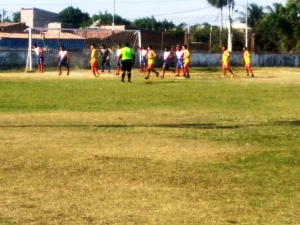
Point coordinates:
[(8, 24), (48, 35)]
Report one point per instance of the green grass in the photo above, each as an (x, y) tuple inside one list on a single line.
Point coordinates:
[(199, 151)]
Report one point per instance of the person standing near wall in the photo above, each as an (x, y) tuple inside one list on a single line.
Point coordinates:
[(166, 64), (118, 61), (94, 61), (179, 55), (186, 61), (39, 51), (226, 62), (128, 58), (105, 58), (63, 59), (247, 60), (151, 55), (143, 60)]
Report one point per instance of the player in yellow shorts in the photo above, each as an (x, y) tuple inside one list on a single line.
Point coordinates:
[(248, 63), (226, 61)]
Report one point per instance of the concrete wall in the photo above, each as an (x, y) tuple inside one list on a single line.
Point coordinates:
[(262, 59), (17, 59)]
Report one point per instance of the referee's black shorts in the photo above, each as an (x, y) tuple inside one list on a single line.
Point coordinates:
[(126, 65)]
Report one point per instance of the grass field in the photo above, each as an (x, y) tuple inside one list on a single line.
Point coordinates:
[(206, 150)]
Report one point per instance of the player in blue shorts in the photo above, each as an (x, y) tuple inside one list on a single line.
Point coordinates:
[(166, 64), (63, 59), (39, 57), (179, 55), (143, 59)]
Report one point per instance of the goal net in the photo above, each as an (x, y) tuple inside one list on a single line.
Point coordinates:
[(77, 42)]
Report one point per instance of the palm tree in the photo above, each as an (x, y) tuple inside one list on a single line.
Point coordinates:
[(276, 8), (219, 4), (255, 15)]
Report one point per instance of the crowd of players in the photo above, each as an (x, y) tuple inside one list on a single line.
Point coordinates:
[(125, 58)]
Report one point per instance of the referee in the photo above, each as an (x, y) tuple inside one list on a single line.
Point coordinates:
[(127, 57)]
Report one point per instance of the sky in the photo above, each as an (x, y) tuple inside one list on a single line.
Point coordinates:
[(190, 12)]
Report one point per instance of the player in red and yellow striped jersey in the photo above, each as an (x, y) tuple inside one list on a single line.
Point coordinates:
[(186, 61), (94, 61), (151, 55), (226, 61), (248, 62)]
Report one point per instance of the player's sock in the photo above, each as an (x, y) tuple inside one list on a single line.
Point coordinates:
[(129, 77), (123, 76)]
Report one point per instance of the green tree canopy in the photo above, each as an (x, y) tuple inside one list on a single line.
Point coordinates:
[(255, 15), (74, 16), (16, 17), (107, 18), (150, 23)]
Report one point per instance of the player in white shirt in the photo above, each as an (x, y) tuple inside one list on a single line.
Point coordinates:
[(166, 64), (39, 51), (143, 60), (119, 65), (179, 56), (63, 59)]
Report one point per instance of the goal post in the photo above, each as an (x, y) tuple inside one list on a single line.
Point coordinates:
[(77, 42)]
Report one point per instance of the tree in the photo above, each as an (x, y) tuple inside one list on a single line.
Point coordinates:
[(255, 15), (16, 17), (293, 16), (150, 23), (107, 18), (219, 4), (275, 29), (74, 16)]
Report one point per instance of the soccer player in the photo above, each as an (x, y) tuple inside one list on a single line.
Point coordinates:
[(39, 57), (143, 60), (226, 61), (118, 60), (151, 58), (63, 59), (247, 59), (179, 56), (167, 56), (186, 61), (94, 61), (128, 58), (105, 58)]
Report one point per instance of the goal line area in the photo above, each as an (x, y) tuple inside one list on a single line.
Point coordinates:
[(77, 42)]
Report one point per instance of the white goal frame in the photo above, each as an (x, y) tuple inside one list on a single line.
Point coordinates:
[(38, 33)]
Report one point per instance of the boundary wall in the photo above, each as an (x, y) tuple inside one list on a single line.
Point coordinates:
[(17, 58)]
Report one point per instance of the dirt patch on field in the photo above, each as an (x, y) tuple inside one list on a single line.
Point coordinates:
[(262, 75)]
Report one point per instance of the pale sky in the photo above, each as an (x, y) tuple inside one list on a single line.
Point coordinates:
[(179, 11)]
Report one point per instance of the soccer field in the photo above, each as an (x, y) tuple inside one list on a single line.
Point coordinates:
[(206, 150)]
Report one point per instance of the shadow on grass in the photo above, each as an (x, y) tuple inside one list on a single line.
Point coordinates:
[(189, 125)]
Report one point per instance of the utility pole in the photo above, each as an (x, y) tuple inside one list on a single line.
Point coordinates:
[(246, 33), (210, 40), (2, 17), (113, 19), (230, 7)]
